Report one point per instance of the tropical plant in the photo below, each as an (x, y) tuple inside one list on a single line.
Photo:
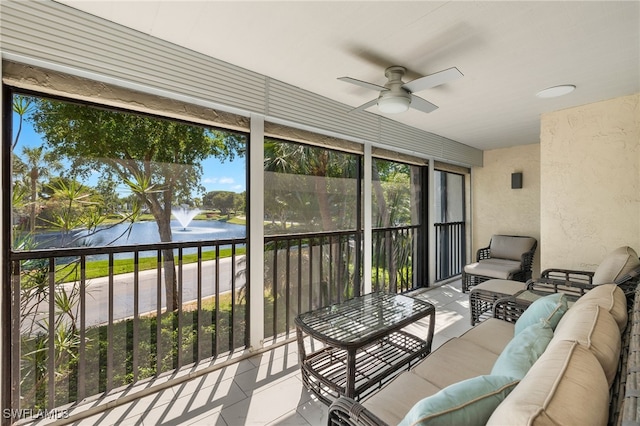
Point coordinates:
[(22, 106), (159, 160), (38, 164), (393, 188), (311, 186)]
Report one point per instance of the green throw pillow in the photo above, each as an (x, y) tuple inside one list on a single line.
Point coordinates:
[(523, 351), (548, 308), (469, 402)]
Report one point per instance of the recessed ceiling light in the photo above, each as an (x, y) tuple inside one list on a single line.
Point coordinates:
[(554, 92)]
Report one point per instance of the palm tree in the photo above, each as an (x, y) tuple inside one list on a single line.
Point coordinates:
[(21, 106), (316, 188), (39, 164), (319, 165)]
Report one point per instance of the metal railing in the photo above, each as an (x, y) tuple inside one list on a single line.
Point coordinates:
[(307, 271), (395, 251), (450, 249), (75, 335)]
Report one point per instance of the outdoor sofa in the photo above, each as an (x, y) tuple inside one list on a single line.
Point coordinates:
[(507, 257), (551, 365)]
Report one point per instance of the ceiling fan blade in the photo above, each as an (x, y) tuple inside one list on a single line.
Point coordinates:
[(365, 106), (433, 80), (362, 83), (422, 105)]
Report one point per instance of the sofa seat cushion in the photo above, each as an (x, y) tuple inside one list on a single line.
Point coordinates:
[(610, 297), (566, 386), (494, 268), (398, 396), (594, 328), (617, 264), (523, 351), (510, 247), (492, 334), (469, 402), (454, 361)]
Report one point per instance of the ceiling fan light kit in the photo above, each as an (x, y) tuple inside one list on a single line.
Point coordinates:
[(396, 96), (390, 103)]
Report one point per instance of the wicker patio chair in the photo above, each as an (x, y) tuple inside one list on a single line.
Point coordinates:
[(347, 412), (621, 266), (508, 257)]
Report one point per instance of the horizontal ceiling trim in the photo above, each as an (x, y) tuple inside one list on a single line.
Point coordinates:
[(46, 32), (386, 154), (53, 83), (280, 131), (446, 167)]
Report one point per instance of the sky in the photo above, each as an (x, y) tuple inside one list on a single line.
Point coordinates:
[(217, 176)]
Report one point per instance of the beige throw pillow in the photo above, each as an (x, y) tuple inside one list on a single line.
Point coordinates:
[(617, 263)]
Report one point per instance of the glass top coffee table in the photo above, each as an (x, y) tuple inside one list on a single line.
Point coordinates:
[(364, 343)]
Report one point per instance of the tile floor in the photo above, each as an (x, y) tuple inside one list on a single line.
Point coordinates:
[(265, 389)]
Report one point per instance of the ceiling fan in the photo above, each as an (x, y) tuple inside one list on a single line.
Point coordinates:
[(397, 96)]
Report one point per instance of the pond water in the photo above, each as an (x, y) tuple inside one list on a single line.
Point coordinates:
[(143, 233)]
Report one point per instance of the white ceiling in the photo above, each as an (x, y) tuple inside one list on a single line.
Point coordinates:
[(507, 52)]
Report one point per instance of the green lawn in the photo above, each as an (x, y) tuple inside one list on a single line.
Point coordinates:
[(100, 268)]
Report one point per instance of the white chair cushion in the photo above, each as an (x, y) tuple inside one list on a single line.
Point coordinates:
[(498, 286), (494, 269), (617, 263), (510, 247)]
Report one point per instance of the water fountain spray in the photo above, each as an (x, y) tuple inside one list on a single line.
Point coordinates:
[(184, 214)]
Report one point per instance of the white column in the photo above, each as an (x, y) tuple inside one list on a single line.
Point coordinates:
[(256, 232), (367, 221), (468, 214), (5, 353)]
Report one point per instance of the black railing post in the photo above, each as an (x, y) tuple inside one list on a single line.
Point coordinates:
[(450, 256), (423, 235)]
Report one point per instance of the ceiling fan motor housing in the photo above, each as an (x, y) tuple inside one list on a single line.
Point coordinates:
[(395, 99), (395, 73)]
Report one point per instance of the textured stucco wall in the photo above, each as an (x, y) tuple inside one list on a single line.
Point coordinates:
[(590, 182), (498, 209)]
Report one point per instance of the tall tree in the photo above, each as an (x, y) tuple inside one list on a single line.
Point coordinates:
[(22, 106), (392, 207), (313, 171), (159, 160), (38, 164), (221, 200)]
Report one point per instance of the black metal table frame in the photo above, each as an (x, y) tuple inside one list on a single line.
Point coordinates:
[(336, 327)]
